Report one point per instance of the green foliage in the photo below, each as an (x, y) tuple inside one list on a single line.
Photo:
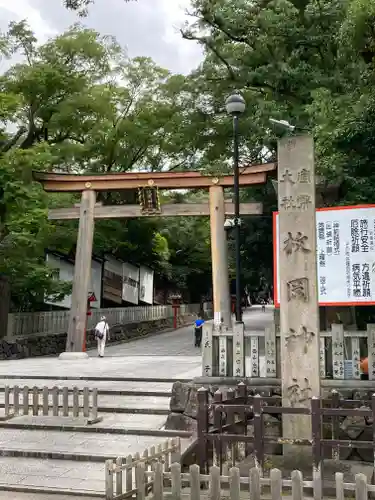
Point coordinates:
[(305, 61), (78, 104), (24, 228)]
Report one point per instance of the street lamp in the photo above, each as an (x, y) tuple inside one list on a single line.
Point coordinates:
[(235, 105)]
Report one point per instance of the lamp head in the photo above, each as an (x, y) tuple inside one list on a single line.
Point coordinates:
[(235, 104)]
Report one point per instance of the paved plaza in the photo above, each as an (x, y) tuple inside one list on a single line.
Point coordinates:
[(134, 382)]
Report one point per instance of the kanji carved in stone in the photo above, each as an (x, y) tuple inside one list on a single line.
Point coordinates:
[(304, 333), (303, 176), (296, 243), (287, 176), (299, 394), (298, 289)]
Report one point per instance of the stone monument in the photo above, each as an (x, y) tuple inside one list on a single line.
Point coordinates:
[(299, 311)]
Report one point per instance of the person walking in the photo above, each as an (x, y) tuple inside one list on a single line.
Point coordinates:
[(101, 334), (198, 325)]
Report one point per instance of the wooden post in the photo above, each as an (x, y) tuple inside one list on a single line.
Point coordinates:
[(219, 255), (299, 312), (82, 271)]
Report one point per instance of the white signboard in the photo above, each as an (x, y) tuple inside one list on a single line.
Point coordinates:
[(130, 283), (146, 285), (65, 272), (345, 255)]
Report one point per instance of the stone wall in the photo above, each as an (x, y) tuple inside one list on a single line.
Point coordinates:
[(184, 406), (49, 345)]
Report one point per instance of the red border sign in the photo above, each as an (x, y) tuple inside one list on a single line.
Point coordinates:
[(275, 270)]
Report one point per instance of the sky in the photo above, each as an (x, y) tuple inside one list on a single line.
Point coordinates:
[(145, 28)]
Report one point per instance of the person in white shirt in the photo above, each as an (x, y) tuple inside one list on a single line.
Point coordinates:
[(101, 334)]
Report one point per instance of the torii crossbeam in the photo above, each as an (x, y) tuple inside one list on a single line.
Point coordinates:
[(88, 210)]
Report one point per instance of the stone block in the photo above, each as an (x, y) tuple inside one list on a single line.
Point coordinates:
[(191, 409), (73, 356), (181, 422), (180, 397), (353, 426), (272, 429)]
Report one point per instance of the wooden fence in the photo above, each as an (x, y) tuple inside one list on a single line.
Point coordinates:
[(224, 435), (121, 475), (57, 321), (57, 401), (193, 485), (340, 353)]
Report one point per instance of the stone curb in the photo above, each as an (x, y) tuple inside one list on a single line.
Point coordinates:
[(121, 410), (99, 430), (56, 455), (51, 491), (130, 411)]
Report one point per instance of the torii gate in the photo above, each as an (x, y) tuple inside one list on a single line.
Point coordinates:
[(147, 184)]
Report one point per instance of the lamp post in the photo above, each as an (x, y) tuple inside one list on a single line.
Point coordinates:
[(235, 105)]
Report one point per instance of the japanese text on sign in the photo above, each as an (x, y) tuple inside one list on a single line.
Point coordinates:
[(345, 254)]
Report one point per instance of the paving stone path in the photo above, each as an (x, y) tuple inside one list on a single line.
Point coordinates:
[(135, 377)]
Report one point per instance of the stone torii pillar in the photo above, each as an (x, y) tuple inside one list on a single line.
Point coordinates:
[(299, 311)]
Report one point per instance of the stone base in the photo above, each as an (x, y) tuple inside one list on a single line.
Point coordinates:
[(72, 356)]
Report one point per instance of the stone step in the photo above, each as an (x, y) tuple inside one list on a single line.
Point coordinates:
[(109, 421), (154, 380), (149, 405), (32, 493), (56, 455), (67, 479), (70, 424), (48, 442), (105, 388)]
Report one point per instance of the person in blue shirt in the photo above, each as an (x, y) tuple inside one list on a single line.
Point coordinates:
[(198, 331)]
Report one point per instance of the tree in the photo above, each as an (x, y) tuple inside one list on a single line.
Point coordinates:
[(81, 6), (78, 104), (31, 93), (306, 61), (24, 229)]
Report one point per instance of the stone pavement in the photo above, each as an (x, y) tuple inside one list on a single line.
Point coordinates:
[(167, 356), (135, 377)]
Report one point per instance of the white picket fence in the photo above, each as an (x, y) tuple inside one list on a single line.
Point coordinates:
[(54, 322), (120, 474), (162, 484)]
